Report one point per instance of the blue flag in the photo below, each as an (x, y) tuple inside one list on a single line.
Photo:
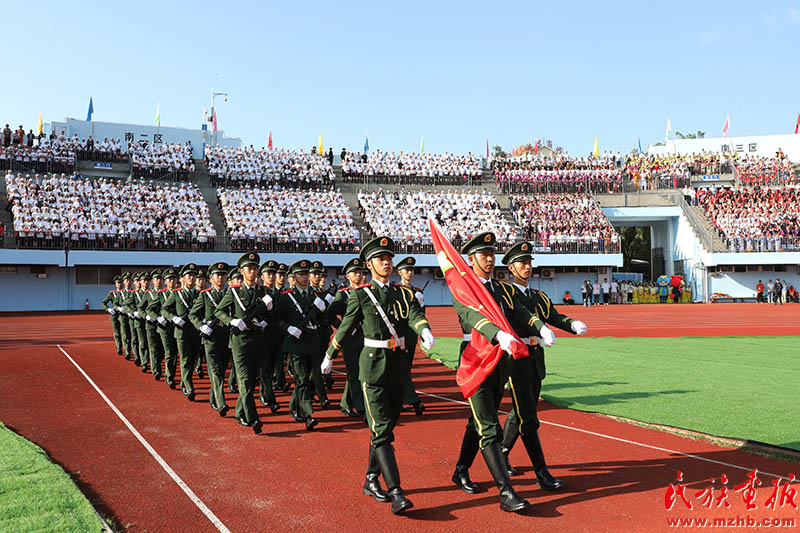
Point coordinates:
[(640, 145), (91, 110), (366, 144)]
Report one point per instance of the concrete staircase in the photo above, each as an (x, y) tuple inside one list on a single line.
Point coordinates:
[(718, 244), (203, 181), (5, 217)]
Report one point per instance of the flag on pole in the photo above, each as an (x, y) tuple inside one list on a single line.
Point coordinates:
[(669, 129), (480, 357), (366, 144), (640, 145), (422, 145), (487, 147), (40, 125), (214, 118), (319, 149), (596, 152), (536, 145), (158, 115), (726, 125), (269, 142), (91, 110), (797, 125)]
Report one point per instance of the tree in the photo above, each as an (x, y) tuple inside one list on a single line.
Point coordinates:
[(698, 135), (498, 151), (635, 245)]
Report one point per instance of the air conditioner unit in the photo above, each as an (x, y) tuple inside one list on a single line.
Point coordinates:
[(500, 274), (438, 274), (548, 273)]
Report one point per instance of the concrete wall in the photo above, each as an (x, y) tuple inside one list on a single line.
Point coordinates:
[(743, 284)]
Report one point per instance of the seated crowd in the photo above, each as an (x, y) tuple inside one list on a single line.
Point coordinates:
[(535, 181), (564, 223), (36, 153), (286, 220), (410, 168), (557, 161), (767, 171), (161, 160), (293, 169), (404, 215), (754, 219), (68, 211)]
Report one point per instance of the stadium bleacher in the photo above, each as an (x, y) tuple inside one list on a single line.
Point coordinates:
[(294, 169), (163, 160), (404, 168)]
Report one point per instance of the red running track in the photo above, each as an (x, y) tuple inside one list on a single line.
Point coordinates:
[(616, 473)]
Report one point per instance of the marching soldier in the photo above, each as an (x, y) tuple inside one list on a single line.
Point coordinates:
[(234, 278), (140, 313), (299, 311), (176, 310), (242, 308), (124, 325), (129, 308), (382, 309), (214, 334), (272, 339), (109, 303), (279, 373), (152, 310), (352, 402), (483, 429), (166, 328), (200, 284), (405, 269), (323, 333), (527, 373)]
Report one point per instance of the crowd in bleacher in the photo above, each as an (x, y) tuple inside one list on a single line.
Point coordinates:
[(410, 168), (403, 215), (754, 219), (531, 173), (557, 161), (287, 220), (294, 169), (753, 170), (36, 153), (162, 160), (60, 210), (564, 223)]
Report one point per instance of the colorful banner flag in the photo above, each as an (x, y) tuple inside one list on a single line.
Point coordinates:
[(422, 145), (214, 118), (487, 147), (40, 125), (536, 146), (797, 125), (480, 357), (596, 152), (726, 125), (319, 148), (91, 110), (669, 129), (158, 115), (269, 142), (366, 144)]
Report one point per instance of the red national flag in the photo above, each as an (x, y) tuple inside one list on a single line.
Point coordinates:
[(726, 126), (480, 356), (536, 146), (796, 126), (487, 147), (215, 120), (269, 144)]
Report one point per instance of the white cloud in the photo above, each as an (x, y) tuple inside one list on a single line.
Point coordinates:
[(709, 37)]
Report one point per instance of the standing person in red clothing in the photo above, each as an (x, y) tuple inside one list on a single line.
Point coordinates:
[(760, 292)]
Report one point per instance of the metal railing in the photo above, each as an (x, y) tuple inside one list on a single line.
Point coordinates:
[(763, 244), (706, 238), (39, 167), (130, 242), (412, 180)]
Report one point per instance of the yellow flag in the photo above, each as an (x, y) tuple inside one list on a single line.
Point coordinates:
[(596, 152), (40, 125), (320, 144)]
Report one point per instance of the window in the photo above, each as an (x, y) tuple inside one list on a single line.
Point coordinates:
[(96, 275)]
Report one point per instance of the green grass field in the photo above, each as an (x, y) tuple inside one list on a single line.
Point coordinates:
[(36, 494), (740, 387)]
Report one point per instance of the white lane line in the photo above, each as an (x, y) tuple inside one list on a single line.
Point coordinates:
[(175, 477), (626, 441)]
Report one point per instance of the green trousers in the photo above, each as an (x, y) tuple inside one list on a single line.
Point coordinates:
[(125, 334), (144, 349), (383, 405), (525, 385), (170, 351), (266, 369), (217, 356), (410, 390), (190, 350), (279, 371), (134, 335), (244, 362), (316, 371), (302, 395), (117, 328), (155, 347), (353, 396)]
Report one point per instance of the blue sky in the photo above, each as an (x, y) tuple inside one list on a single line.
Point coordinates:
[(455, 72)]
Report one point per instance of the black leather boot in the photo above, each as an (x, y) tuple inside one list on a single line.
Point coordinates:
[(388, 464), (534, 448), (510, 434), (372, 485), (509, 500), (469, 449)]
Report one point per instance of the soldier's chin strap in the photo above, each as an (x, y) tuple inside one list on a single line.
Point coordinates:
[(477, 264), (517, 274)]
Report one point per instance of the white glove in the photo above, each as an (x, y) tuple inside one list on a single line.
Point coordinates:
[(420, 298), (548, 337), (119, 309), (148, 318), (178, 321), (506, 341), (239, 323), (111, 311), (262, 324), (161, 320), (136, 314), (205, 330), (327, 364), (319, 303), (267, 299), (578, 327), (427, 339), (329, 298), (294, 332)]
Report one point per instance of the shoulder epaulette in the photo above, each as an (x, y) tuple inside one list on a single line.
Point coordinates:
[(162, 290), (205, 290), (287, 291), (362, 286), (178, 289), (234, 286), (148, 290), (344, 289), (417, 289)]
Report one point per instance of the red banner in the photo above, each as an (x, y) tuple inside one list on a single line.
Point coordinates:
[(480, 357)]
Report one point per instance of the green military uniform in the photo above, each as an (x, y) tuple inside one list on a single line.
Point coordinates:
[(124, 324), (272, 339), (166, 329), (198, 367), (483, 428), (141, 327), (129, 308), (352, 402), (215, 338), (324, 331), (151, 311), (246, 342), (176, 310), (110, 303), (410, 396), (279, 373), (526, 375), (298, 313), (383, 311), (234, 278)]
